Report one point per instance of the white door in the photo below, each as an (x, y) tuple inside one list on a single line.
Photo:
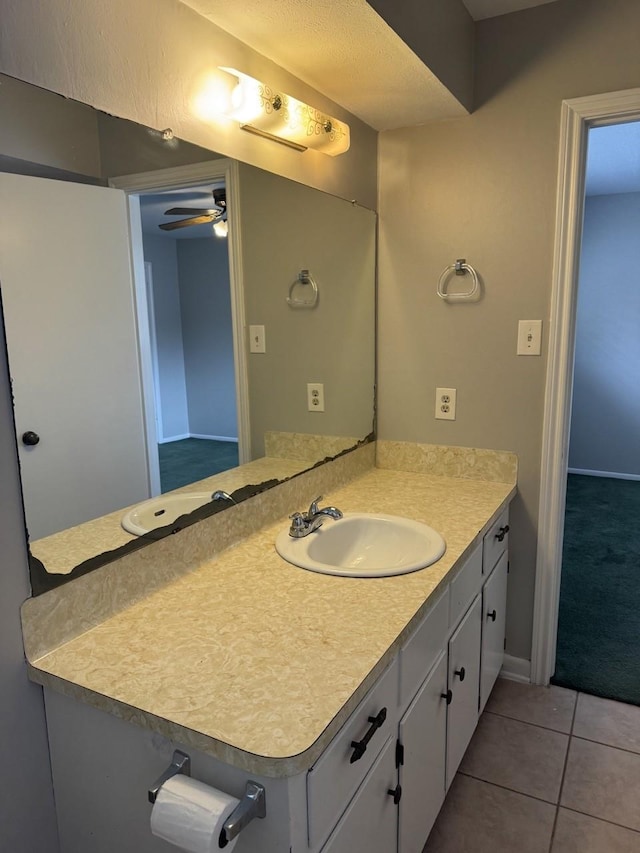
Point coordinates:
[(423, 735), (494, 612), (464, 683), (65, 279)]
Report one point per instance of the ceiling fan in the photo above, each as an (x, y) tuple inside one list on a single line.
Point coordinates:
[(198, 215)]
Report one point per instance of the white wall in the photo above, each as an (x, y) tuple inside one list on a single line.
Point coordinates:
[(605, 419), (27, 816), (205, 307), (162, 255), (484, 187)]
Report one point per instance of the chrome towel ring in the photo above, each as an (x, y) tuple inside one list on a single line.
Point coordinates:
[(461, 267)]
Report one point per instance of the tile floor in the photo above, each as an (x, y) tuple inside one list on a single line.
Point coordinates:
[(548, 770)]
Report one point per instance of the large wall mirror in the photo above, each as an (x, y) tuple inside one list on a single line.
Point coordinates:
[(178, 324)]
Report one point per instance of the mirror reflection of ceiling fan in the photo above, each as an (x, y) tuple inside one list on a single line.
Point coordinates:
[(201, 215)]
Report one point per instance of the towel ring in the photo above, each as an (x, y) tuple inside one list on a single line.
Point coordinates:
[(461, 267)]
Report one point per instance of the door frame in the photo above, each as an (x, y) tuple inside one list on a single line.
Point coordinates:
[(144, 183), (577, 117)]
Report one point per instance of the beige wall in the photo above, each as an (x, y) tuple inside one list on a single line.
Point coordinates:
[(442, 38), (333, 343), (147, 60), (484, 187)]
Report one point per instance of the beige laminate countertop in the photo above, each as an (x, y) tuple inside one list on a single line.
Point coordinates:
[(256, 661)]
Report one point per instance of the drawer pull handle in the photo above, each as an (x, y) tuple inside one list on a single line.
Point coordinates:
[(448, 696), (360, 746), (492, 615), (502, 533), (460, 673), (396, 793)]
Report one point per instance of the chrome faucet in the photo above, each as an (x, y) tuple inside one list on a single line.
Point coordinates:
[(304, 523), (219, 495)]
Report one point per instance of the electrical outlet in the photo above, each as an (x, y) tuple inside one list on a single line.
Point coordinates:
[(529, 337), (257, 339), (315, 396), (446, 404)]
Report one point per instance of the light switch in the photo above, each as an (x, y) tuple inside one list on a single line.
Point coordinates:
[(257, 339), (529, 337)]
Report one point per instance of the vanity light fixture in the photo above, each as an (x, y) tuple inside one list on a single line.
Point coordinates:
[(274, 115)]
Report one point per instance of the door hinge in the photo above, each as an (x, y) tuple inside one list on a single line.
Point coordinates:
[(399, 754)]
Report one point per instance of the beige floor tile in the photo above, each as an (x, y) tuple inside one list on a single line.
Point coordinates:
[(606, 721), (551, 707), (481, 818), (578, 833), (603, 782), (525, 758)]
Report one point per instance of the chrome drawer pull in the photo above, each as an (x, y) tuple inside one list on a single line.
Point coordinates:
[(360, 746)]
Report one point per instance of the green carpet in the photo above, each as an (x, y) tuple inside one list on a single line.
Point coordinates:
[(192, 459), (599, 620)]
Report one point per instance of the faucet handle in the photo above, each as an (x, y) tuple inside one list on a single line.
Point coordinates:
[(313, 508)]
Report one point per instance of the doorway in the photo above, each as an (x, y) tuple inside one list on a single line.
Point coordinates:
[(190, 310), (598, 649), (578, 116)]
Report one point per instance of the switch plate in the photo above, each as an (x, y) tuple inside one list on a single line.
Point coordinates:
[(257, 339), (446, 404), (315, 396), (529, 337)]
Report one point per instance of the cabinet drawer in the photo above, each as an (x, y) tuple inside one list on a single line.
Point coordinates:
[(465, 586), (333, 780), (422, 648), (495, 542)]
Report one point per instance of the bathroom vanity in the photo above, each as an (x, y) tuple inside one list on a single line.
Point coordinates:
[(351, 700)]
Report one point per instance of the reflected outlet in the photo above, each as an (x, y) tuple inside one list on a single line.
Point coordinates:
[(315, 396)]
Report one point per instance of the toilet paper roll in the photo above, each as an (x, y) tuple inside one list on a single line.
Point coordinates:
[(191, 815)]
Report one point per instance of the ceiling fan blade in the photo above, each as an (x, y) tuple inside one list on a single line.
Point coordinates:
[(184, 223), (191, 211)]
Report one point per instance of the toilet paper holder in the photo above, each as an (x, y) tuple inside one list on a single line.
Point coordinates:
[(180, 763), (253, 804)]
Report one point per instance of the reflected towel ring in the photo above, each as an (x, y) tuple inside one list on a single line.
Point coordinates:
[(300, 295), (461, 267)]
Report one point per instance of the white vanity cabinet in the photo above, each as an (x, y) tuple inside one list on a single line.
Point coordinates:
[(415, 722)]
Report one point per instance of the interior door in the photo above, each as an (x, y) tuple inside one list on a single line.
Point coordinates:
[(66, 285)]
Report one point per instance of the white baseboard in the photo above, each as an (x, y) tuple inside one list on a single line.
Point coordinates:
[(197, 435), (615, 474), (173, 438), (516, 669), (214, 437)]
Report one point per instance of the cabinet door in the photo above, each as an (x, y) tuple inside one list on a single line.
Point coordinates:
[(494, 607), (371, 820), (423, 735), (464, 684)]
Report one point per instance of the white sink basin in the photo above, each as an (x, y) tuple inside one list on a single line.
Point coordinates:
[(364, 545), (162, 510)]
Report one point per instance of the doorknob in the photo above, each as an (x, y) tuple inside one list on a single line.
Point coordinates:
[(30, 438)]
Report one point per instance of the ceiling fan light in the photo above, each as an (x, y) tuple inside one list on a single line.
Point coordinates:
[(221, 228)]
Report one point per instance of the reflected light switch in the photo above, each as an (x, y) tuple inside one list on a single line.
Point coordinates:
[(257, 340), (529, 337)]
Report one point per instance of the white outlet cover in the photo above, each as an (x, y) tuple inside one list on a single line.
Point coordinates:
[(445, 409)]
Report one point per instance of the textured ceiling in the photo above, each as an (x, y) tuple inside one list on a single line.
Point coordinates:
[(345, 50), (479, 9)]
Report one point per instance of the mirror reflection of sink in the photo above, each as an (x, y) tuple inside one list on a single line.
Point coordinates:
[(157, 512), (364, 545)]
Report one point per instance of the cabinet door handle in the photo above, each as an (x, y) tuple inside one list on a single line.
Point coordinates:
[(460, 673), (448, 696), (360, 746), (502, 533), (492, 615), (396, 793)]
